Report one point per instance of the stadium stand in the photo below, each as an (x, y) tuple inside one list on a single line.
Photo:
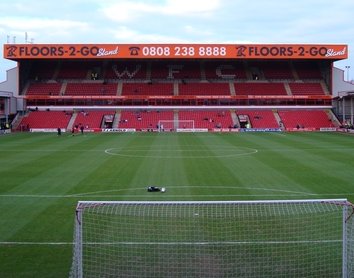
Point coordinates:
[(260, 118), (307, 70), (159, 89), (144, 119), (306, 89), (91, 119), (204, 89), (274, 70), (44, 89), (43, 70), (77, 70), (227, 70), (309, 119), (126, 70), (45, 119), (87, 89), (209, 119), (243, 84), (170, 70), (260, 88)]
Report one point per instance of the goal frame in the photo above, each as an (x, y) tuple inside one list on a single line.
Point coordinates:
[(78, 244), (176, 125)]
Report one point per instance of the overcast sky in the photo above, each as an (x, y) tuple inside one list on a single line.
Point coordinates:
[(178, 21)]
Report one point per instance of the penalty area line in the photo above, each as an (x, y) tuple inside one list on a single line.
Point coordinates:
[(33, 243), (78, 196)]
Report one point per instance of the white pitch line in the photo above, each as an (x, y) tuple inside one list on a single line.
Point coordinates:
[(33, 243), (105, 193), (174, 196), (170, 195), (177, 242), (123, 152), (209, 187)]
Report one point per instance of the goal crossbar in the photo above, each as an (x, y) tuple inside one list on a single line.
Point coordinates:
[(334, 201)]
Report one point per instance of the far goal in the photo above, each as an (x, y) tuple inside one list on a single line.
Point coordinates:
[(176, 125), (298, 238)]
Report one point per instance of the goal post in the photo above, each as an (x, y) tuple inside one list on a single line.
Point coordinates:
[(175, 125), (298, 238)]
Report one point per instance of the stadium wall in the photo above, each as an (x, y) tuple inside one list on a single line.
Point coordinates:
[(339, 85), (11, 82), (343, 97), (9, 89)]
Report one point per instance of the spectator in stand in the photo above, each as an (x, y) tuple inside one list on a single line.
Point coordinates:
[(94, 75)]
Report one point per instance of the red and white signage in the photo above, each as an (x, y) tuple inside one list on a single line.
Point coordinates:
[(175, 51)]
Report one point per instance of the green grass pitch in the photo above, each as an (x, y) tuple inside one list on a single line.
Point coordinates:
[(42, 176)]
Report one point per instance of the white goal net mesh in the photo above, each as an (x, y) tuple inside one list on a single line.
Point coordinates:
[(172, 125), (214, 239)]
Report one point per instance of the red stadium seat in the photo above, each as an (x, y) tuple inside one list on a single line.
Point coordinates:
[(204, 89), (306, 88), (305, 119), (160, 89), (261, 88), (44, 89), (209, 119), (91, 89), (46, 119), (260, 118)]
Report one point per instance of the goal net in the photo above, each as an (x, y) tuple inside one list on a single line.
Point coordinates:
[(176, 125), (305, 238)]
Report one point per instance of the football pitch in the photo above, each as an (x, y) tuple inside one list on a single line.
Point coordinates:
[(43, 176)]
